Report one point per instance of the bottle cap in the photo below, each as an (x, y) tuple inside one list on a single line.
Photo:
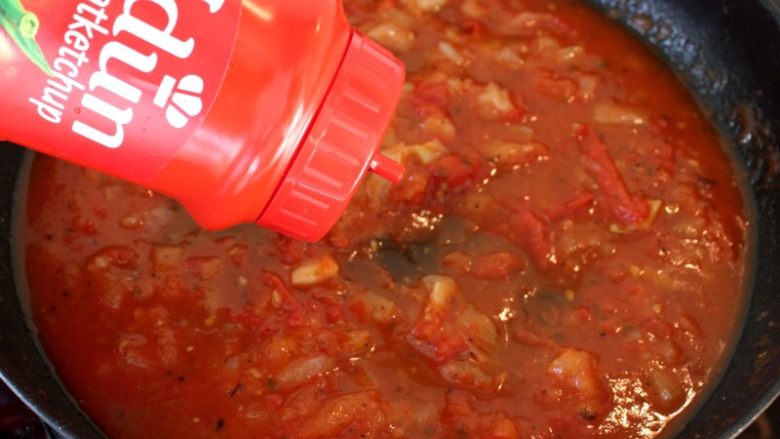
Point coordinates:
[(341, 146)]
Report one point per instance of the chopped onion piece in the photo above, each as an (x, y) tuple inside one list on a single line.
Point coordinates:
[(495, 101), (451, 53), (300, 371), (394, 36), (614, 114), (315, 271), (442, 289), (427, 5)]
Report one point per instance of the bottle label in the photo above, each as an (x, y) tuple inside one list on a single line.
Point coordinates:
[(117, 85)]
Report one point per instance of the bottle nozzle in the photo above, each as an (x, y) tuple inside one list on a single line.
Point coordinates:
[(386, 168)]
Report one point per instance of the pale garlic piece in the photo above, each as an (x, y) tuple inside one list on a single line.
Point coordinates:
[(466, 373), (495, 101), (615, 114), (300, 371), (314, 271), (451, 53), (569, 53), (394, 36), (478, 324), (132, 221), (427, 5), (442, 290), (427, 152), (580, 370), (509, 56), (440, 127), (381, 309), (587, 87)]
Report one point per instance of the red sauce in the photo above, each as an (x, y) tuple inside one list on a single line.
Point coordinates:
[(564, 259)]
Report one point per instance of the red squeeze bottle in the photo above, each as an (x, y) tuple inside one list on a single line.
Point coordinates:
[(265, 111)]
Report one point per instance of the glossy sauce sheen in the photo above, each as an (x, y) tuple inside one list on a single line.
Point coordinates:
[(564, 259)]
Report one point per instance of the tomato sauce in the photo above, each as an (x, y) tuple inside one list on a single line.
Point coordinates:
[(565, 258)]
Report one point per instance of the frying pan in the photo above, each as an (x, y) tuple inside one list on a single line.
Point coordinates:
[(726, 51)]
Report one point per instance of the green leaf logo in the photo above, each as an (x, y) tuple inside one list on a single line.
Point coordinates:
[(22, 26)]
